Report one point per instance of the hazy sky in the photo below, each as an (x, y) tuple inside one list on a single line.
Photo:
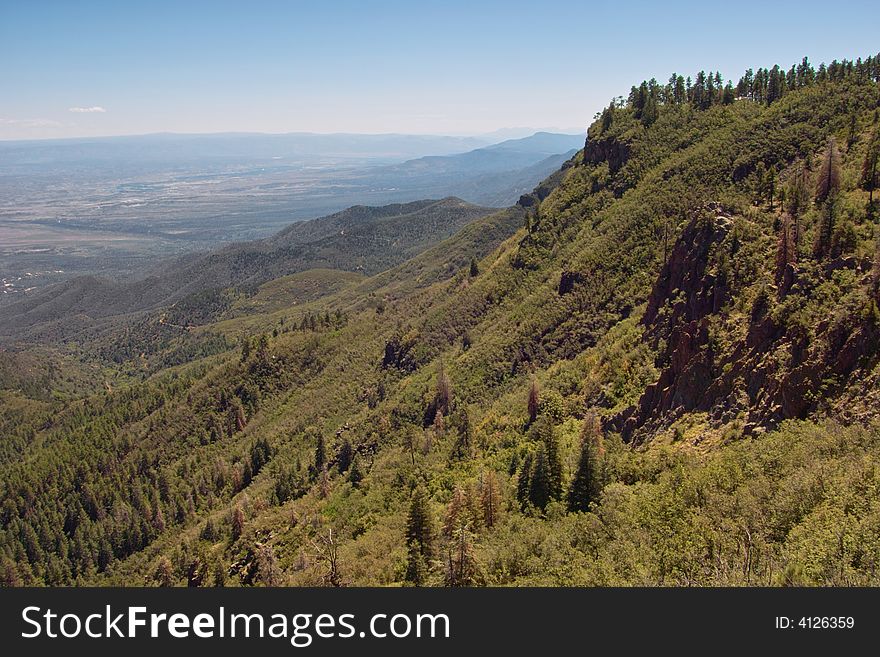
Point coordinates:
[(455, 67)]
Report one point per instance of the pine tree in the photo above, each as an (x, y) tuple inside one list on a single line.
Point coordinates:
[(346, 453), (461, 564), (825, 229), (770, 185), (679, 93), (539, 486), (443, 395), (209, 532), (585, 485), (607, 117), (524, 481), (728, 95), (853, 128), (159, 520), (263, 348), (490, 498), (237, 523), (871, 168), (320, 461), (474, 268), (875, 271), (324, 483), (534, 400), (759, 184), (419, 537), (457, 507), (464, 439), (828, 182), (786, 250), (355, 474), (554, 464), (797, 197), (650, 111)]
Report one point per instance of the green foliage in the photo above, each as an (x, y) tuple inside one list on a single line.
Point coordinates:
[(419, 538), (166, 450)]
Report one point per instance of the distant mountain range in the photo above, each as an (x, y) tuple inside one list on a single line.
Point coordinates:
[(360, 239), (495, 175), (170, 148)]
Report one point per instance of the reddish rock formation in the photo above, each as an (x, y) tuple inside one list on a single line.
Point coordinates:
[(766, 376)]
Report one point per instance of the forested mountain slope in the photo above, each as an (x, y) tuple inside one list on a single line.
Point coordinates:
[(666, 376)]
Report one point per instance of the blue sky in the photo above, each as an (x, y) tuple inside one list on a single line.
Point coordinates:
[(454, 67)]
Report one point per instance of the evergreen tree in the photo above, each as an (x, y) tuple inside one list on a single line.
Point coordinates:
[(474, 268), (770, 185), (797, 196), (524, 481), (237, 523), (261, 453), (457, 507), (355, 474), (461, 564), (324, 483), (490, 498), (825, 229), (759, 183), (263, 348), (679, 93), (534, 400), (443, 395), (209, 532), (464, 439), (585, 485), (828, 182), (775, 85), (871, 168), (729, 95), (419, 537), (875, 271), (346, 453), (320, 462), (288, 484), (539, 484), (607, 117), (650, 111), (554, 464), (786, 250)]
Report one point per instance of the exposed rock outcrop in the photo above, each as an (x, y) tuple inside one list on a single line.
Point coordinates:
[(610, 150), (769, 374)]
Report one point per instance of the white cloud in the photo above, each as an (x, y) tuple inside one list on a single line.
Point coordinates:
[(87, 110)]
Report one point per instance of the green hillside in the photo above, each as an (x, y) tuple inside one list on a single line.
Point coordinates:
[(668, 375)]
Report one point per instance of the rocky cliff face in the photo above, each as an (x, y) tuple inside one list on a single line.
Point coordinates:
[(612, 151), (768, 374)]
